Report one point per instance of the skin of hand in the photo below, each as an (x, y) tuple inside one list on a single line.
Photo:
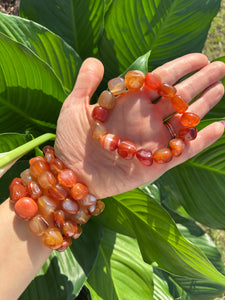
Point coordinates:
[(137, 117)]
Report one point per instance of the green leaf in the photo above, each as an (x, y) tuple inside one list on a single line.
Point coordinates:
[(119, 272), (30, 93), (79, 23), (159, 239), (141, 64), (161, 290), (10, 141), (52, 49)]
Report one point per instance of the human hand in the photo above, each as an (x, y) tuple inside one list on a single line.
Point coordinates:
[(137, 119)]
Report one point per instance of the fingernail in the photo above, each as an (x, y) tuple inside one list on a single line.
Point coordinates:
[(222, 122)]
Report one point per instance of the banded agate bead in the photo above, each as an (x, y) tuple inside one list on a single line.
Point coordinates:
[(152, 81), (127, 150), (177, 146), (188, 133), (17, 191), (179, 104), (98, 130), (34, 190), (100, 113), (99, 208), (107, 100), (52, 238), (57, 192), (46, 205), (69, 228), (58, 218), (166, 90), (117, 86), (70, 206), (110, 142), (26, 208), (46, 180), (189, 119), (67, 178), (79, 191), (38, 225), (134, 80), (163, 155), (145, 157)]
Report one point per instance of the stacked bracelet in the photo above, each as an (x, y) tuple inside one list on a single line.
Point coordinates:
[(50, 198), (133, 81)]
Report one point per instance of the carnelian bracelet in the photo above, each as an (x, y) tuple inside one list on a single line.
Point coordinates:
[(48, 196), (135, 80)]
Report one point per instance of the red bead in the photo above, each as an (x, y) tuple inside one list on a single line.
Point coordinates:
[(79, 191), (67, 177), (52, 238), (47, 149), (188, 133), (70, 206), (26, 208), (152, 81), (134, 80), (179, 104), (57, 192), (189, 119), (38, 167), (69, 228), (46, 205), (46, 180), (34, 190), (100, 114), (163, 155), (59, 218), (15, 181), (17, 191), (66, 243), (167, 90), (50, 156), (145, 157), (127, 149), (176, 146), (38, 225), (110, 142)]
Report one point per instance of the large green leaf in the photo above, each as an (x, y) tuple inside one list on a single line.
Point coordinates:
[(48, 46), (119, 271), (138, 214), (30, 92)]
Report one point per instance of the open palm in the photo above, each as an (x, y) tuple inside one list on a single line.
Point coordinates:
[(137, 119)]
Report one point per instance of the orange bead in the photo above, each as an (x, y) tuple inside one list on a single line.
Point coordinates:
[(37, 158), (99, 208), (50, 156), (134, 80), (145, 157), (188, 133), (46, 180), (15, 181), (179, 104), (47, 149), (177, 146), (38, 225), (163, 155), (67, 177), (117, 86), (34, 190), (167, 90), (56, 166), (17, 191), (127, 149), (189, 119), (26, 176), (52, 238), (81, 217), (38, 167), (26, 208), (98, 130), (59, 218), (46, 205), (107, 100), (57, 192), (152, 81), (79, 191), (66, 243), (110, 142), (69, 228), (70, 206), (78, 233)]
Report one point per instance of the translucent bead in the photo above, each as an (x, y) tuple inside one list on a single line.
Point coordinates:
[(98, 130), (34, 190), (69, 228), (163, 155), (145, 157), (81, 217), (56, 166), (37, 158), (38, 225), (127, 149), (110, 142), (88, 200), (26, 208), (66, 243), (188, 133), (47, 149), (177, 146), (17, 191), (189, 119), (179, 104), (78, 233), (167, 90), (38, 167), (134, 80), (152, 81), (117, 86), (70, 206), (46, 179), (79, 191), (15, 181), (26, 176), (52, 238), (46, 205), (100, 114), (50, 156), (57, 192), (67, 177), (107, 100), (99, 208), (58, 218)]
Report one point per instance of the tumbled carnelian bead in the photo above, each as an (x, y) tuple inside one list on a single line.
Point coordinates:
[(162, 155), (59, 218), (57, 192), (38, 225), (17, 191), (67, 177), (50, 156), (15, 181), (98, 130), (110, 142), (134, 80), (46, 205), (66, 243), (81, 217), (34, 190), (188, 133), (99, 208), (88, 200), (152, 81), (38, 167), (177, 146), (56, 166), (179, 104), (117, 86), (78, 233), (70, 206), (26, 208), (127, 149), (189, 119), (52, 238), (106, 100), (47, 149), (145, 157), (46, 179), (37, 158), (167, 90), (100, 114), (26, 176), (69, 228), (79, 191)]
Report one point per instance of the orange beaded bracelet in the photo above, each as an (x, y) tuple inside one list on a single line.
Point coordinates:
[(48, 196), (133, 81)]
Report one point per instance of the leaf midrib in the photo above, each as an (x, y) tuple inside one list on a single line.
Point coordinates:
[(204, 167)]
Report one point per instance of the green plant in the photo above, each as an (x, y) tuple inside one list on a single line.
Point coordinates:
[(139, 247)]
